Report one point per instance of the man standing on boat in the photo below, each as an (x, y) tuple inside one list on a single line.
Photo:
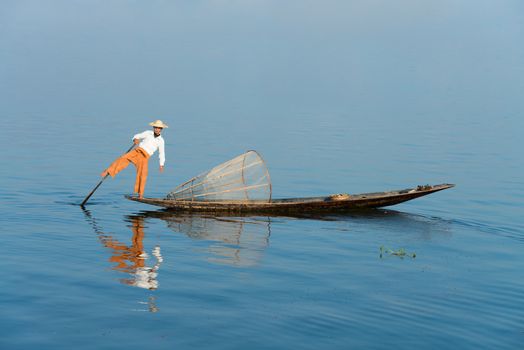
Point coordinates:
[(148, 142)]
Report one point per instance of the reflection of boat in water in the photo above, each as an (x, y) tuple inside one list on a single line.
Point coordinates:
[(238, 241), (131, 258), (241, 240)]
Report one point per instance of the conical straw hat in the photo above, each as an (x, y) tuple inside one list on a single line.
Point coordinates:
[(159, 124)]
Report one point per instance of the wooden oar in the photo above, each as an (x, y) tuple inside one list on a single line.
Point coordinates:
[(96, 187)]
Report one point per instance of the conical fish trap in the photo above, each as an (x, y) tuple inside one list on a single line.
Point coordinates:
[(243, 178)]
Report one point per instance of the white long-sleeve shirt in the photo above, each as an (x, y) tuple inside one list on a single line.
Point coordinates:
[(150, 143)]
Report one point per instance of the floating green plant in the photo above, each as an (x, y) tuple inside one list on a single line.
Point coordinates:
[(398, 252)]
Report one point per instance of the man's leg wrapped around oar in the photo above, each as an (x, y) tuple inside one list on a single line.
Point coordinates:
[(139, 158)]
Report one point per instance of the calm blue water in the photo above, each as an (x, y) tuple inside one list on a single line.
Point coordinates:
[(338, 96)]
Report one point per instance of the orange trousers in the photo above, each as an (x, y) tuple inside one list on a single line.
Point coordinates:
[(139, 158)]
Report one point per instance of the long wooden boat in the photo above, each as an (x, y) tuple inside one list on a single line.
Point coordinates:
[(331, 203)]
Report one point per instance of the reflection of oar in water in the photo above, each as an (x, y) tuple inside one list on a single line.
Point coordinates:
[(105, 177), (92, 221)]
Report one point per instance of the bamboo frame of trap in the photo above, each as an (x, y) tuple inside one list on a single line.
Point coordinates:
[(195, 189)]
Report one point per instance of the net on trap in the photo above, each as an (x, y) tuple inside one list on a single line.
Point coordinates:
[(244, 178)]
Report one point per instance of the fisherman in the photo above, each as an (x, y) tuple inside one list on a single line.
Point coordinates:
[(148, 142)]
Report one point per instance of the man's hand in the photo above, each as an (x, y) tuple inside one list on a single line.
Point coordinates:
[(136, 141), (161, 168)]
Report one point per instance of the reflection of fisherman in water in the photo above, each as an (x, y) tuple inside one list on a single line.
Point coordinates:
[(132, 259)]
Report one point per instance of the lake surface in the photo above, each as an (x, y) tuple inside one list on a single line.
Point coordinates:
[(337, 96)]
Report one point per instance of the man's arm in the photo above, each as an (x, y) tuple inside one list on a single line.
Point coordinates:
[(161, 156)]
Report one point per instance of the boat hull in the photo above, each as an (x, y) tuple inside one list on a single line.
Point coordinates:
[(331, 203)]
